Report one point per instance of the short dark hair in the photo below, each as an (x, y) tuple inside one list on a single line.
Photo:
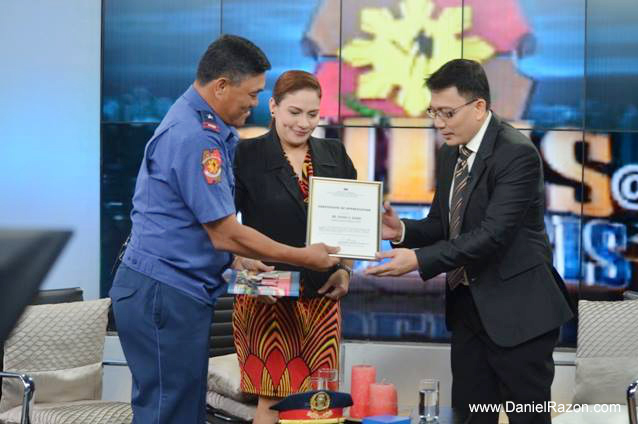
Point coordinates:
[(232, 57), (468, 76)]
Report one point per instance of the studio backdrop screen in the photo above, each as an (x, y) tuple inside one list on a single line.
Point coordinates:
[(565, 73)]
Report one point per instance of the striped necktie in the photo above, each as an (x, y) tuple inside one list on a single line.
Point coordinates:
[(457, 276)]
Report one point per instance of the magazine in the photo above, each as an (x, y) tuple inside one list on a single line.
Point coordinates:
[(272, 283)]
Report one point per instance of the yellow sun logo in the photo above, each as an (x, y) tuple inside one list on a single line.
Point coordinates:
[(405, 50)]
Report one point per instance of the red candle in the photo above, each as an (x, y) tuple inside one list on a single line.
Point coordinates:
[(383, 399), (361, 378)]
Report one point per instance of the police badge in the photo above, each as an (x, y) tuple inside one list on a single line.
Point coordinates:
[(212, 166)]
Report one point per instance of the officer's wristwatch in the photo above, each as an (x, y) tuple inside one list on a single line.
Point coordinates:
[(346, 268)]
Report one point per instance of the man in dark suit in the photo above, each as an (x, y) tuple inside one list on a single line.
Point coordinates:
[(504, 300)]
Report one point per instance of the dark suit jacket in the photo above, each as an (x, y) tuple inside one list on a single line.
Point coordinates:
[(503, 244), (269, 198)]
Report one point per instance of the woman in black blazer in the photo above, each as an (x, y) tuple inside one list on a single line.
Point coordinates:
[(282, 343)]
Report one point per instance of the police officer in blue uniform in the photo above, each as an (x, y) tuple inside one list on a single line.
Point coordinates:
[(183, 230)]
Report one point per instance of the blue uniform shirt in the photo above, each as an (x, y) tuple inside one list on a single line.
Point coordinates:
[(186, 179)]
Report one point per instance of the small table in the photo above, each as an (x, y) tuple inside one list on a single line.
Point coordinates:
[(447, 415)]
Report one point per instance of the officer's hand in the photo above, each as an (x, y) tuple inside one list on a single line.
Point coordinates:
[(391, 225), (318, 259), (269, 300), (337, 285), (240, 263), (403, 261)]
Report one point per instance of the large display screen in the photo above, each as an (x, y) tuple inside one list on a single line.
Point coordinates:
[(565, 73)]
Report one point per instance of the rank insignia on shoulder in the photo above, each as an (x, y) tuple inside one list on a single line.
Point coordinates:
[(212, 166), (208, 122)]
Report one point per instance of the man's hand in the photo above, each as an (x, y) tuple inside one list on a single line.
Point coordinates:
[(337, 285), (403, 261), (317, 257), (391, 225), (241, 263)]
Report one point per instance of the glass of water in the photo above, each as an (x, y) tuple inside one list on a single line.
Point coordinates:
[(317, 383), (429, 400), (331, 378)]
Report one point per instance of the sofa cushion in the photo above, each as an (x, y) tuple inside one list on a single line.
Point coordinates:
[(61, 347), (231, 406), (224, 377), (82, 412), (607, 352)]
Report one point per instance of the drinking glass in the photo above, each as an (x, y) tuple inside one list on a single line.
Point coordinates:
[(429, 400)]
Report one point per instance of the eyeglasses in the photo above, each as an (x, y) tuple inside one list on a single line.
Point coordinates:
[(446, 112)]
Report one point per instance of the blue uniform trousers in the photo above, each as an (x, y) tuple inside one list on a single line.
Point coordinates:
[(164, 334)]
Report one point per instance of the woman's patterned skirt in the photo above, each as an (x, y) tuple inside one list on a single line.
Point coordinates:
[(281, 346)]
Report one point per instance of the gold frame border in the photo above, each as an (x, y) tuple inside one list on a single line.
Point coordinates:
[(379, 185)]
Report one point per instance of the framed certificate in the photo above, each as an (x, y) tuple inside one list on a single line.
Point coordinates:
[(347, 214)]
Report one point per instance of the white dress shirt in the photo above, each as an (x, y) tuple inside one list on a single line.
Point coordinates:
[(473, 145)]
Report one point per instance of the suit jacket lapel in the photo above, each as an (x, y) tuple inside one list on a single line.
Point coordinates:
[(276, 162), (323, 164), (478, 167)]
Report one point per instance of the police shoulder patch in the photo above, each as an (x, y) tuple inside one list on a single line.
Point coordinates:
[(212, 166)]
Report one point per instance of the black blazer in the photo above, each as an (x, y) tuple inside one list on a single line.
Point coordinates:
[(269, 198), (503, 244)]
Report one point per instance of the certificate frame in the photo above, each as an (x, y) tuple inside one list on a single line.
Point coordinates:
[(370, 192)]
